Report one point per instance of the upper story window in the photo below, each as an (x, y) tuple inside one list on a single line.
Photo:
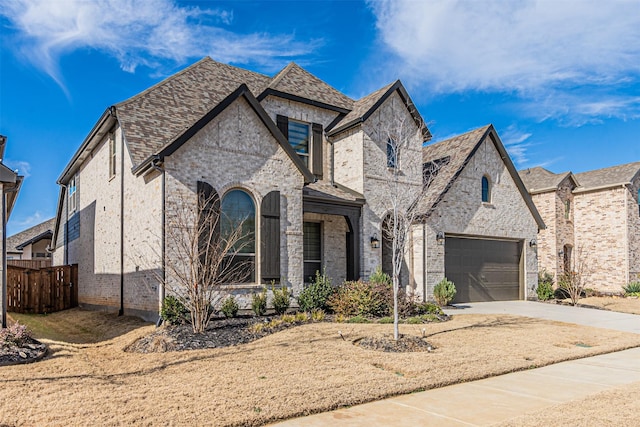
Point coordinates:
[(112, 156), (73, 195), (638, 201), (567, 209), (392, 153), (486, 190), (299, 137)]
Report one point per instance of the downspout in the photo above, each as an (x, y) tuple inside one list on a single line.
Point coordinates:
[(161, 290), (66, 230), (121, 311), (5, 300), (424, 262)]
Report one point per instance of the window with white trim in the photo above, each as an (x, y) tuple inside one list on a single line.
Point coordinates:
[(112, 156), (299, 138), (73, 195)]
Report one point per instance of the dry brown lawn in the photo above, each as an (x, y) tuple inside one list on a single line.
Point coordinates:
[(89, 380), (616, 407), (615, 303)]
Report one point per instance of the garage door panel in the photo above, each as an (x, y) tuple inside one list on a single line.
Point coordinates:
[(483, 270)]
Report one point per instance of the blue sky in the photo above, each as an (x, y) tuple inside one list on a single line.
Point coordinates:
[(560, 80)]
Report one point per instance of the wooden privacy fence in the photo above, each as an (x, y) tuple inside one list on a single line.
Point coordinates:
[(43, 290), (30, 263)]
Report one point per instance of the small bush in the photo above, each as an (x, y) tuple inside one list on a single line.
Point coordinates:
[(632, 289), (545, 291), (230, 307), (281, 298), (288, 318), (414, 320), (358, 319), (256, 328), (173, 311), (14, 335), (561, 292), (259, 303), (444, 292), (380, 277), (427, 308), (317, 315), (302, 316), (316, 294), (360, 299), (385, 320)]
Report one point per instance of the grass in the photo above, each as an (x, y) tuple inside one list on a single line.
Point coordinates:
[(629, 305), (88, 379)]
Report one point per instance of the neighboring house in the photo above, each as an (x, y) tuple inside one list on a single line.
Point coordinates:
[(10, 183), (31, 243), (301, 160), (594, 223)]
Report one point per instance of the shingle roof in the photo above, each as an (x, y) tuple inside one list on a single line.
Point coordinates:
[(363, 105), (24, 236), (330, 192), (538, 178), (614, 175), (184, 97), (458, 149), (297, 81)]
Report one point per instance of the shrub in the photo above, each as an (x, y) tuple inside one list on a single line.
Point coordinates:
[(230, 307), (427, 308), (259, 303), (288, 318), (315, 295), (414, 320), (385, 320), (281, 298), (317, 315), (302, 317), (444, 292), (358, 319), (545, 291), (561, 292), (360, 299), (380, 277), (173, 311), (632, 289), (15, 334)]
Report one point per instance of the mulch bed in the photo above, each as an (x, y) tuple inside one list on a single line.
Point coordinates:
[(30, 351), (404, 343)]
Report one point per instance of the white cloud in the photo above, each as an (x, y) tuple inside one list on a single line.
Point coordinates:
[(23, 168), (537, 49), (22, 223), (517, 143), (139, 33)]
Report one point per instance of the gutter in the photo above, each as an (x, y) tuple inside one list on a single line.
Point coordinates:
[(121, 311), (600, 187)]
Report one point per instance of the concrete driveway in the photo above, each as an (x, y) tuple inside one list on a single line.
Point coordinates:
[(497, 399)]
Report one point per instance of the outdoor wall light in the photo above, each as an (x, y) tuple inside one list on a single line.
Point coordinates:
[(440, 237), (375, 243), (560, 253), (533, 243)]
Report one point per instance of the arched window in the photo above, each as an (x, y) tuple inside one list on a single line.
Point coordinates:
[(238, 223), (486, 190)]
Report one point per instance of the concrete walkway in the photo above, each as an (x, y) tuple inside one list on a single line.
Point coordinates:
[(497, 399)]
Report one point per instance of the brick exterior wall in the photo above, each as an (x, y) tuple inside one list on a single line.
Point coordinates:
[(349, 159), (236, 150), (334, 252), (633, 233), (601, 238), (461, 212)]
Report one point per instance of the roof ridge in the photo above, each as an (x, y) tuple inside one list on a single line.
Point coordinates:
[(276, 79)]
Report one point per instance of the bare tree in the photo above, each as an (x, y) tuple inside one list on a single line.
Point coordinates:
[(406, 180), (202, 246), (575, 280)]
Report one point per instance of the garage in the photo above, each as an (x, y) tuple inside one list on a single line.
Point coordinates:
[(483, 269)]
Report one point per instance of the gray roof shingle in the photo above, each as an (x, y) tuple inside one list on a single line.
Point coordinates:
[(538, 178), (620, 174), (24, 236)]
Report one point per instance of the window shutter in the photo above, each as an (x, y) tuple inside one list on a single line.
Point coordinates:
[(270, 236), (208, 215), (317, 150), (283, 124)]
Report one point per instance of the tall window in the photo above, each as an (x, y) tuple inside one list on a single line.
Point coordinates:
[(567, 209), (392, 153), (73, 195), (312, 250), (299, 136), (638, 201), (112, 156), (238, 212), (486, 190)]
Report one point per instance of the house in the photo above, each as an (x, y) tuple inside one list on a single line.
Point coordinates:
[(304, 162), (593, 223), (10, 183), (31, 243)]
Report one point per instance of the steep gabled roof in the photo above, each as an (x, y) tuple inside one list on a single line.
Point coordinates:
[(608, 177), (459, 150), (157, 116), (365, 107), (541, 180), (18, 241), (298, 82)]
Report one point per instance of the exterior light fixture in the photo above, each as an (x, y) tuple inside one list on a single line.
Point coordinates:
[(533, 243), (375, 243), (440, 237), (560, 253)]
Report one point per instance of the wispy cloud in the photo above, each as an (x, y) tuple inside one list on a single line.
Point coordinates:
[(517, 143), (541, 50), (23, 168), (138, 33), (17, 223)]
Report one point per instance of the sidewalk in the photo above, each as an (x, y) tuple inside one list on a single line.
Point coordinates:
[(501, 398)]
